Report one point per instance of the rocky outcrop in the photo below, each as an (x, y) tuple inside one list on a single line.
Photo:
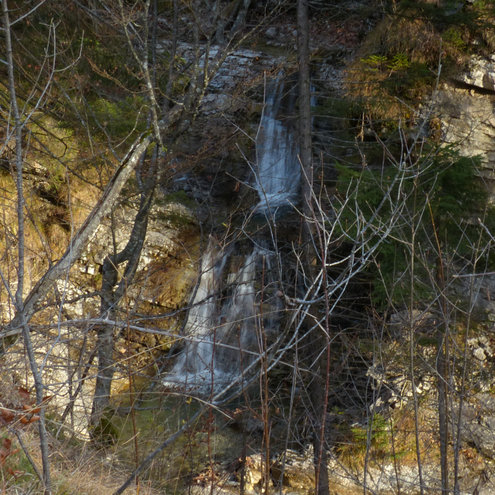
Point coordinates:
[(480, 74), (478, 424), (476, 293), (465, 106), (229, 72), (166, 273), (293, 474)]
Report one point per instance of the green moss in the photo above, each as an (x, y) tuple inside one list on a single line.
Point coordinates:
[(454, 36), (178, 210), (105, 432), (158, 418), (122, 117), (427, 341), (178, 220), (180, 197)]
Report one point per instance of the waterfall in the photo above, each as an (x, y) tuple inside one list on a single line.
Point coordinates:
[(225, 324), (221, 326), (278, 171), (195, 361)]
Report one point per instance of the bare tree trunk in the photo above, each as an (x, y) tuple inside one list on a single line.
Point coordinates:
[(19, 299), (443, 379), (112, 291), (442, 364), (317, 342)]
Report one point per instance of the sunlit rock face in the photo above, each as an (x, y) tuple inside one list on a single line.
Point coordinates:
[(480, 73), (465, 107), (165, 277)]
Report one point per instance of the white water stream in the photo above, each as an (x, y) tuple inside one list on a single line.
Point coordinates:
[(277, 165), (223, 331), (221, 325)]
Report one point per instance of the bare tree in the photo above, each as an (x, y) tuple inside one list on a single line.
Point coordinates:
[(306, 276), (319, 340), (170, 114)]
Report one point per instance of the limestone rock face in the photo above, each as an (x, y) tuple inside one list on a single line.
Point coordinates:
[(466, 109), (480, 73), (294, 471), (165, 276), (236, 72)]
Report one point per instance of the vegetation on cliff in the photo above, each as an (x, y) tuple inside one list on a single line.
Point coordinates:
[(128, 148)]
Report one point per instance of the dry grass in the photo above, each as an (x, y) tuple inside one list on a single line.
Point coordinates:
[(390, 68), (75, 470), (89, 473)]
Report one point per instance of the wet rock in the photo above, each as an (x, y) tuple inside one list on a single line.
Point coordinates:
[(271, 32), (240, 67)]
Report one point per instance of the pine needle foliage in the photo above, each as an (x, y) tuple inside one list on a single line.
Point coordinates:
[(440, 196)]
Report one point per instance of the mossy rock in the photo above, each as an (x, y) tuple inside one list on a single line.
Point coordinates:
[(104, 432)]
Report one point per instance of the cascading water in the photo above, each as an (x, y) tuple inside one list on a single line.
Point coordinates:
[(278, 169), (195, 361), (225, 323), (222, 324)]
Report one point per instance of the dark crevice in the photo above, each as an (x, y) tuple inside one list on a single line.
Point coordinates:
[(472, 87)]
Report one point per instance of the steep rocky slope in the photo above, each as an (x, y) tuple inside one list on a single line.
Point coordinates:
[(378, 96)]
